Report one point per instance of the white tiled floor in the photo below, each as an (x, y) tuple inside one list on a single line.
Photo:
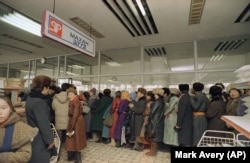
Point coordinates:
[(103, 153)]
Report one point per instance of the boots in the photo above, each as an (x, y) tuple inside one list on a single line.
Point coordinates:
[(153, 149), (78, 157), (118, 143), (71, 156), (112, 144)]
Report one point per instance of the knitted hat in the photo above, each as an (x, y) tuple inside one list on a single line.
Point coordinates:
[(72, 90), (175, 91), (93, 90), (133, 95)]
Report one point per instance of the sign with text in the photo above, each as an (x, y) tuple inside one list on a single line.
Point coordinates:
[(59, 30)]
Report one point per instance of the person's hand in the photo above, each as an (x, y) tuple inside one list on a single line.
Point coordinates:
[(51, 145), (69, 134), (130, 105)]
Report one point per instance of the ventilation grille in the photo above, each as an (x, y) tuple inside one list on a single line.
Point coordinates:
[(14, 49), (196, 10), (229, 45), (244, 16), (156, 52), (22, 41), (131, 14), (87, 27)]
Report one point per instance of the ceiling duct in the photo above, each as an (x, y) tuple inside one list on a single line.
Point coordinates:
[(87, 27), (134, 15), (156, 52), (14, 49), (196, 10), (229, 45), (244, 16), (22, 41)]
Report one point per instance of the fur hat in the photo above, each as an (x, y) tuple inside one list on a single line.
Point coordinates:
[(72, 90), (158, 91), (175, 91), (93, 90)]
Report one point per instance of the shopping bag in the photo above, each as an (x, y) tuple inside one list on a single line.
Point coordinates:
[(108, 121)]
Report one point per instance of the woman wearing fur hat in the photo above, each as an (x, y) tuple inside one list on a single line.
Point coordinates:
[(137, 108), (76, 133), (170, 135), (156, 121), (17, 149), (38, 115)]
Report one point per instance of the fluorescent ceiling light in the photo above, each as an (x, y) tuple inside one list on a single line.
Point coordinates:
[(141, 7), (76, 66), (182, 68), (113, 64), (22, 22)]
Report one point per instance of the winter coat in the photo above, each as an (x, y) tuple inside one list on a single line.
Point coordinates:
[(38, 115), (156, 119), (137, 109), (216, 109), (115, 105), (199, 103), (170, 135), (122, 115), (231, 106), (22, 137), (60, 105), (93, 104), (185, 120), (104, 102), (105, 128), (76, 123)]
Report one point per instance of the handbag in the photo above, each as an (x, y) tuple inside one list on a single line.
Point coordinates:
[(85, 109), (108, 121)]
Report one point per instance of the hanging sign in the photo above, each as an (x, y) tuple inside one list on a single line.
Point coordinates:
[(59, 30)]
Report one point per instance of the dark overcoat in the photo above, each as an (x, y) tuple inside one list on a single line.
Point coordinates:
[(185, 120)]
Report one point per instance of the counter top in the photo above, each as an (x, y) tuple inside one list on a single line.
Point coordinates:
[(241, 124)]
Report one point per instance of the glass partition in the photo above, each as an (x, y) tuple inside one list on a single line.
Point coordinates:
[(78, 65), (121, 61), (223, 53), (175, 57), (49, 68), (3, 70)]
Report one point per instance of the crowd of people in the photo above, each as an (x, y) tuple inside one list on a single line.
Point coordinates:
[(138, 120)]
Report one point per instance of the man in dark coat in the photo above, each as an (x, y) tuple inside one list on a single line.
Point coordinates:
[(38, 114), (184, 124), (138, 107)]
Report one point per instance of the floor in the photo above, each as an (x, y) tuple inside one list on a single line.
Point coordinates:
[(103, 153)]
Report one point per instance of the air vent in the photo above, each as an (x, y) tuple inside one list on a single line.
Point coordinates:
[(156, 52), (22, 41), (244, 16), (87, 27), (196, 10), (229, 45), (134, 15), (14, 49)]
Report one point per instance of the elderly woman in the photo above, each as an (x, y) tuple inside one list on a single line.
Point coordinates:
[(170, 135), (156, 121), (76, 133), (38, 115), (18, 148)]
